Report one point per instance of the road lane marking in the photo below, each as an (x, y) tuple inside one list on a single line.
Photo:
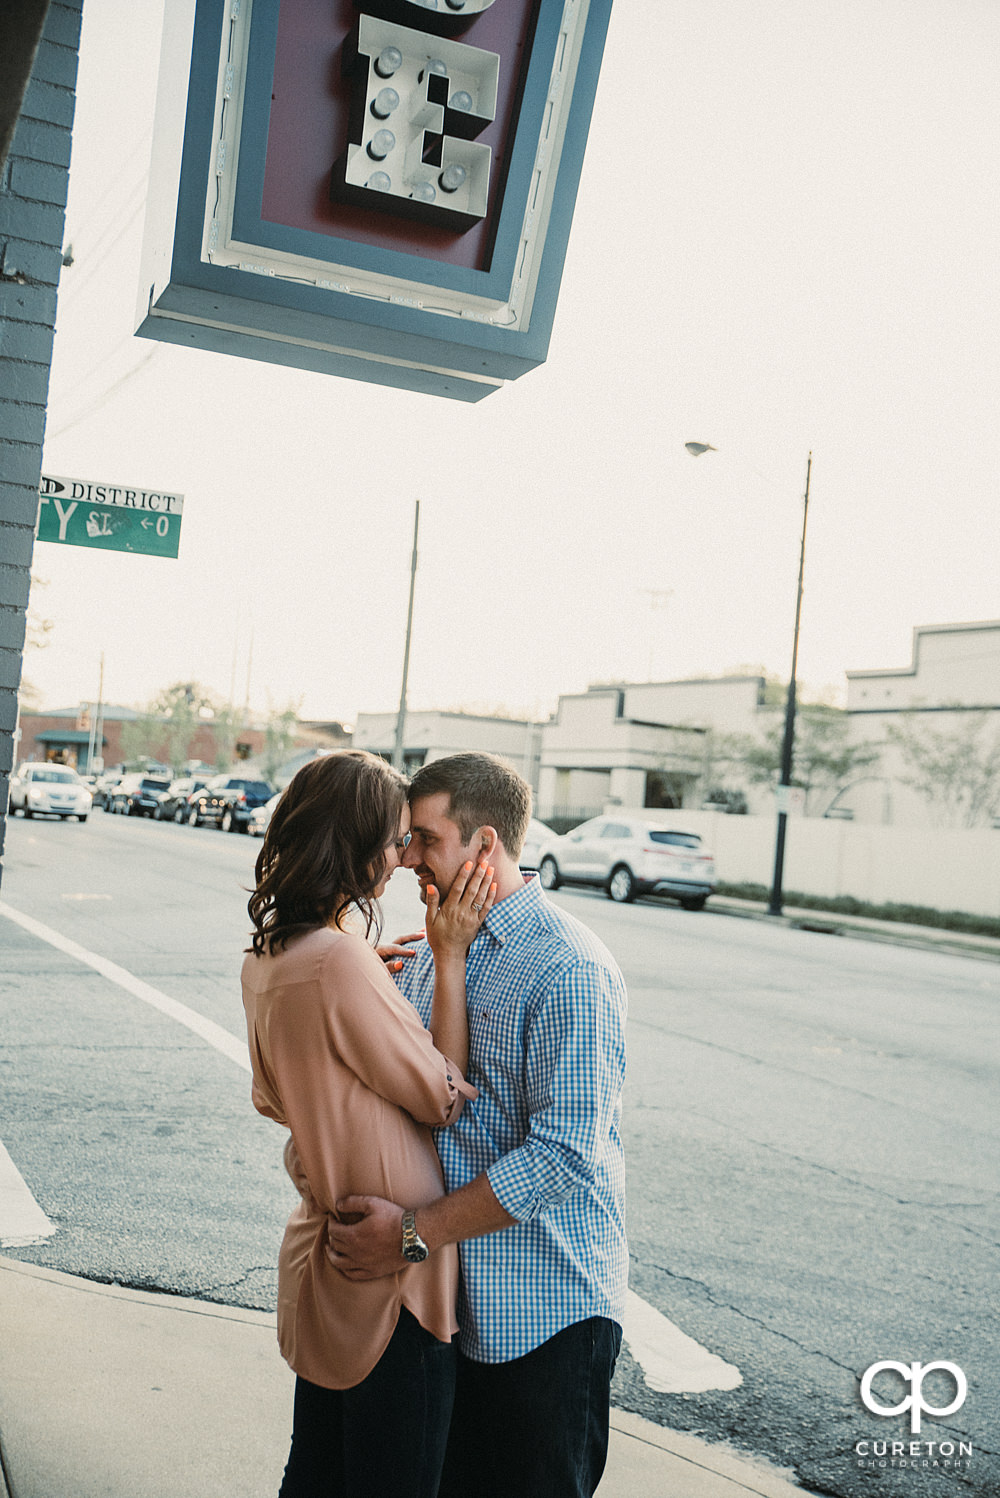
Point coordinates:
[(22, 1220), (671, 1361), (207, 1029)]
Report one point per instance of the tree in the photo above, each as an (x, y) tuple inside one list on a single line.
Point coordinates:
[(227, 723), (166, 730), (721, 752), (824, 759), (143, 740), (36, 637), (279, 736), (956, 768), (181, 709)]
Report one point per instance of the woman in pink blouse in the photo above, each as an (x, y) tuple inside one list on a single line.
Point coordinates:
[(343, 1061)]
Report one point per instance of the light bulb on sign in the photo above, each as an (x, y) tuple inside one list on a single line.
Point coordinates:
[(381, 143), (452, 177), (389, 61), (432, 65), (424, 192), (385, 101), (380, 182), (461, 101)]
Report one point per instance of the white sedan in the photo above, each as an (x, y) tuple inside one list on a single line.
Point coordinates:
[(49, 790)]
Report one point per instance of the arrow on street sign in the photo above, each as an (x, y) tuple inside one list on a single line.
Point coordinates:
[(109, 517)]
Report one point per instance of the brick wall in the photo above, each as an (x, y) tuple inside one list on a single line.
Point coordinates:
[(33, 190)]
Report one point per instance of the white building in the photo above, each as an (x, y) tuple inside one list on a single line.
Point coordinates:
[(432, 735), (639, 744), (954, 673), (659, 744)]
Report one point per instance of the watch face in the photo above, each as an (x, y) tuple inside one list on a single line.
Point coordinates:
[(415, 1250)]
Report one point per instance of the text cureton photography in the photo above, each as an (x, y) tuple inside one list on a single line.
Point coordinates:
[(953, 1455)]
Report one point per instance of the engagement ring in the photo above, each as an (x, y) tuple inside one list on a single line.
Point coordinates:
[(476, 908)]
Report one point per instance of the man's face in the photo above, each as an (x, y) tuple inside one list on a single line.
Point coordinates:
[(437, 852)]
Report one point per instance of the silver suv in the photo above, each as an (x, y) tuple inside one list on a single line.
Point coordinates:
[(629, 856)]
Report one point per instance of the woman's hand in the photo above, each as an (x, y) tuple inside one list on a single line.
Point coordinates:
[(452, 927), (393, 953)]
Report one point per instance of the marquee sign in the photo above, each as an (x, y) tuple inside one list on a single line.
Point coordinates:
[(378, 189)]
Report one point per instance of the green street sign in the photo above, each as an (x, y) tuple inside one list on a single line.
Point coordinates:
[(109, 517)]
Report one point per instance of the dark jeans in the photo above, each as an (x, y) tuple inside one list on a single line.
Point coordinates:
[(387, 1435), (536, 1427)]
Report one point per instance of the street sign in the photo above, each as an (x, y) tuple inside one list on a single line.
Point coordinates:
[(791, 799), (109, 517)]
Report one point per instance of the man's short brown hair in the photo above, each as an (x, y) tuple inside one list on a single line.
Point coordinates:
[(484, 791)]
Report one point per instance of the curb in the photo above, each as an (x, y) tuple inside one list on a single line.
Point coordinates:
[(828, 923), (647, 1460)]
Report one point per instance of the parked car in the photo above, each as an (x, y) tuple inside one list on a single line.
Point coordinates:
[(260, 818), (137, 795), (173, 804), (103, 787), (49, 790), (537, 835), (227, 801), (630, 856)]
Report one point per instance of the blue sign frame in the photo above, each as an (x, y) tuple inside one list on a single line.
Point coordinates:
[(230, 309)]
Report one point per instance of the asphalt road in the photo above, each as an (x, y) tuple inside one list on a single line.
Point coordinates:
[(810, 1123)]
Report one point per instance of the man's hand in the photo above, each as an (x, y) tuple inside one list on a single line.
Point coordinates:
[(369, 1245)]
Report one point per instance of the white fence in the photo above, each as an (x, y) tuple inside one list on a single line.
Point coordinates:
[(943, 869)]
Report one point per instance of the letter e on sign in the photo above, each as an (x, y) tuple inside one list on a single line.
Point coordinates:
[(418, 102)]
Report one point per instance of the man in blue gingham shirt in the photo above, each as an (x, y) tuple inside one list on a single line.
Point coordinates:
[(533, 1168)]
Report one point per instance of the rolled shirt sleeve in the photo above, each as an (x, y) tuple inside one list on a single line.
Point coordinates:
[(574, 1069)]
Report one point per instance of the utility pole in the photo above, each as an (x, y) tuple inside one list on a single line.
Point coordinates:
[(397, 753), (95, 744), (788, 743)]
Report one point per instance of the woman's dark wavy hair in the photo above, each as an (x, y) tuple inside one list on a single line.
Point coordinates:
[(324, 850)]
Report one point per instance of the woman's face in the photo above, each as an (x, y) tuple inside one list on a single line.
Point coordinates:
[(394, 852)]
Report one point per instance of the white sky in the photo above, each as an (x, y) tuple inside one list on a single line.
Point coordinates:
[(785, 239)]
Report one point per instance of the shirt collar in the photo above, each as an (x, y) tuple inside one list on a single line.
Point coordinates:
[(508, 914)]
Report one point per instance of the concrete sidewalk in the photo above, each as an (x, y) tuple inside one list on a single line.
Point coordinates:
[(114, 1393)]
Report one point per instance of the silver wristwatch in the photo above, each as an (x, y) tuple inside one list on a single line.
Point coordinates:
[(415, 1250)]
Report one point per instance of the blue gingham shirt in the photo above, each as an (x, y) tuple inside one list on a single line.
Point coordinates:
[(547, 1008)]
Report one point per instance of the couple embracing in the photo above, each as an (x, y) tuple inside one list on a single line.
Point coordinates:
[(454, 1138)]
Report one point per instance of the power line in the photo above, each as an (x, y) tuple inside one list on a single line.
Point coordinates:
[(103, 399), (74, 287)]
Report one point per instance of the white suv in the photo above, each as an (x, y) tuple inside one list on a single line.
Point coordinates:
[(629, 856), (50, 790)]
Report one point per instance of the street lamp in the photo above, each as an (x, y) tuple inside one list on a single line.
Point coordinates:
[(788, 742), (397, 751)]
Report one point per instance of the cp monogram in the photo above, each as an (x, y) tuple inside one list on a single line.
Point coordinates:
[(913, 1374)]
